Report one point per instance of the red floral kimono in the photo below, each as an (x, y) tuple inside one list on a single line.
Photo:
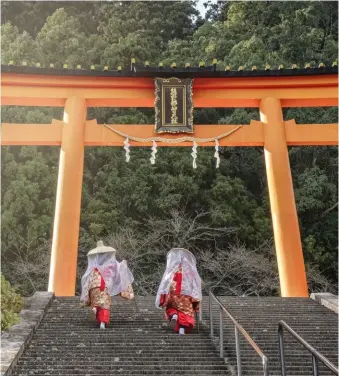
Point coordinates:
[(182, 305), (99, 297)]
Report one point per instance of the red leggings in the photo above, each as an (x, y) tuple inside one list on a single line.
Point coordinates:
[(102, 315), (184, 320)]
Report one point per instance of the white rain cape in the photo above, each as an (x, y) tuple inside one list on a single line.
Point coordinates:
[(116, 275), (191, 281)]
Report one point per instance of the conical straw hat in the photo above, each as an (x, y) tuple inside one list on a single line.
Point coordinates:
[(101, 248)]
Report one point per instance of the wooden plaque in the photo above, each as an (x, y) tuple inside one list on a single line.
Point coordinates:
[(173, 105)]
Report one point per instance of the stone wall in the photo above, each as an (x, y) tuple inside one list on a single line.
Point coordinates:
[(326, 299), (15, 340)]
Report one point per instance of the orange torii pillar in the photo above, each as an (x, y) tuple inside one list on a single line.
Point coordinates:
[(62, 276), (288, 246)]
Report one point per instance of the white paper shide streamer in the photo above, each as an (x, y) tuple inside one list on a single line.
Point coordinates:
[(216, 154), (177, 140), (126, 147), (194, 154), (154, 151)]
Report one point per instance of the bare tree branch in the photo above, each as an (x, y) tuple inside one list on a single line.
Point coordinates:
[(329, 209)]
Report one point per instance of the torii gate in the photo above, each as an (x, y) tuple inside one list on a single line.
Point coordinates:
[(77, 89)]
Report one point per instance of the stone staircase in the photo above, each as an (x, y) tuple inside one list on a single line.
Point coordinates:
[(260, 316), (67, 342)]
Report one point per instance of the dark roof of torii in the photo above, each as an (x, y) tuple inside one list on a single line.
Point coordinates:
[(170, 71)]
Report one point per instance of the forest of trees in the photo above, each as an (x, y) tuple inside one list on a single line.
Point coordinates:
[(143, 210)]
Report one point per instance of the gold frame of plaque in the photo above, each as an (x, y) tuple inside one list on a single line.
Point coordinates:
[(173, 105)]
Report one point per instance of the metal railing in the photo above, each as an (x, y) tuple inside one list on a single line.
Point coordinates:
[(238, 330), (316, 356)]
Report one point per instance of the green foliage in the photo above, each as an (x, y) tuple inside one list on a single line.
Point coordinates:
[(135, 205), (17, 47), (11, 305), (255, 33), (61, 40), (142, 29), (28, 196)]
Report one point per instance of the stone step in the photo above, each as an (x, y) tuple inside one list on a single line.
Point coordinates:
[(126, 356), (121, 372), (114, 365)]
